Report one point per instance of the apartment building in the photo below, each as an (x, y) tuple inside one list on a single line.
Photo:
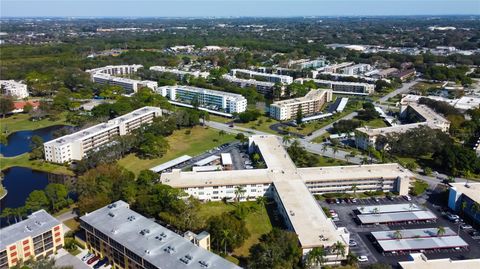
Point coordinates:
[(38, 236), (342, 87), (356, 69), (14, 89), (130, 240), (292, 189), (306, 63), (77, 145), (211, 99), (249, 74), (311, 103), (179, 73), (263, 87), (366, 137), (421, 261), (467, 194), (333, 68), (112, 75)]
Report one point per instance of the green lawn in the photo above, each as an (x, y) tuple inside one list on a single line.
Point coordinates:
[(72, 224), (39, 165), (305, 128), (375, 123), (219, 119), (425, 86), (20, 122), (199, 140), (326, 161), (257, 222), (263, 124)]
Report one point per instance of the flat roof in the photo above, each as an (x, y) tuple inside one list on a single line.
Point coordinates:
[(207, 168), (411, 233), (472, 191), (370, 171), (388, 208), (306, 216), (226, 159), (422, 243), (248, 81), (312, 95), (113, 123), (170, 163), (396, 217), (37, 223), (205, 91), (149, 240), (273, 152), (207, 160), (401, 128), (420, 261)]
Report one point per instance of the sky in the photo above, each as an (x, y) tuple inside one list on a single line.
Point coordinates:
[(233, 8)]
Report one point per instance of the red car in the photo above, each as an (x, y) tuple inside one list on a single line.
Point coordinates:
[(92, 260)]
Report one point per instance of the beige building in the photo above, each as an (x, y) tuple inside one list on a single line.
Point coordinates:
[(38, 236), (342, 87), (311, 103), (420, 261), (76, 146)]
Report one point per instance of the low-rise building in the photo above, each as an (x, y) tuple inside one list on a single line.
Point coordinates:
[(77, 145), (404, 75), (249, 74), (462, 198), (211, 99), (112, 74), (333, 68), (420, 261), (356, 69), (311, 103), (14, 89), (463, 103), (342, 87), (38, 236), (306, 63), (179, 73), (263, 87), (130, 240)]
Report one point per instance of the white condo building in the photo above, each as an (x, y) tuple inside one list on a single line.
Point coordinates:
[(210, 99), (13, 88), (306, 63), (110, 75), (342, 87), (356, 69), (310, 104), (76, 146), (179, 73), (249, 74), (263, 87), (292, 189)]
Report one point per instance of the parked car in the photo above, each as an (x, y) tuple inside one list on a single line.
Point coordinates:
[(335, 219), (337, 201), (92, 260), (352, 243), (453, 217), (474, 233), (100, 263), (354, 200), (466, 227), (376, 199), (406, 197), (363, 259), (87, 257), (390, 198)]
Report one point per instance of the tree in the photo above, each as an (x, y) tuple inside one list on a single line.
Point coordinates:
[(441, 231), (299, 116), (397, 234), (354, 189), (475, 209), (36, 144), (152, 146), (324, 147), (27, 108), (221, 133), (463, 206), (335, 151), (57, 195), (239, 192), (339, 249), (276, 250), (224, 239), (37, 200), (316, 257), (286, 139), (227, 231), (6, 105)]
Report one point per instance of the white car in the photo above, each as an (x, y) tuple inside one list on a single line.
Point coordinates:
[(466, 227), (352, 243), (362, 259), (87, 257)]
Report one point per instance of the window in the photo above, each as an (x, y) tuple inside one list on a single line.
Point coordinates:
[(25, 242), (13, 254), (56, 228), (26, 248), (13, 247)]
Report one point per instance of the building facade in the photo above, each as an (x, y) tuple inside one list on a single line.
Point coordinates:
[(179, 73), (130, 240), (211, 99), (462, 198), (38, 236), (310, 104), (14, 89), (306, 63), (77, 145), (356, 69), (263, 87), (249, 74), (342, 87), (112, 75)]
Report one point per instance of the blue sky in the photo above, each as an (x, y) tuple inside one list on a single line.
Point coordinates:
[(226, 8)]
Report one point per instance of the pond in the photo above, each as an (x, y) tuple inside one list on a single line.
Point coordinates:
[(19, 142)]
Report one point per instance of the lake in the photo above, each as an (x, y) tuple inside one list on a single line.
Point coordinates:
[(19, 142)]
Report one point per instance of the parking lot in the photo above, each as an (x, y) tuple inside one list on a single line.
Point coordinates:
[(361, 234)]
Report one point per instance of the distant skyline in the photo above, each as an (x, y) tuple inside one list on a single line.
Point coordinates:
[(234, 8)]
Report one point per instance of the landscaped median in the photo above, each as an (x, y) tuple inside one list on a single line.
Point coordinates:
[(39, 165)]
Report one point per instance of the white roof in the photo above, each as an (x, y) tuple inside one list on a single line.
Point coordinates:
[(422, 243), (388, 208), (396, 217), (207, 168), (273, 152), (226, 159), (420, 261), (171, 163), (411, 233), (207, 160), (472, 190)]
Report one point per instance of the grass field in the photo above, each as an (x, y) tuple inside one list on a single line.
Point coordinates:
[(39, 165), (376, 123), (72, 224), (425, 86), (198, 141), (21, 122), (263, 124), (257, 222), (325, 161), (219, 119)]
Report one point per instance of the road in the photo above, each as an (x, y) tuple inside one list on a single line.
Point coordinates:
[(324, 129), (405, 88)]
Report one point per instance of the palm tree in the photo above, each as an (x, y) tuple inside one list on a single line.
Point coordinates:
[(324, 147), (339, 249), (335, 150), (397, 234), (462, 207), (7, 213), (375, 210), (441, 231), (225, 239), (316, 257), (286, 139), (221, 133), (354, 189), (261, 201), (239, 192), (475, 209)]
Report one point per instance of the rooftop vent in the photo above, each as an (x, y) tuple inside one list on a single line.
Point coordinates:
[(204, 264), (111, 214), (38, 223), (161, 236), (169, 249), (28, 228), (131, 218), (112, 205), (144, 231), (186, 259), (147, 251)]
